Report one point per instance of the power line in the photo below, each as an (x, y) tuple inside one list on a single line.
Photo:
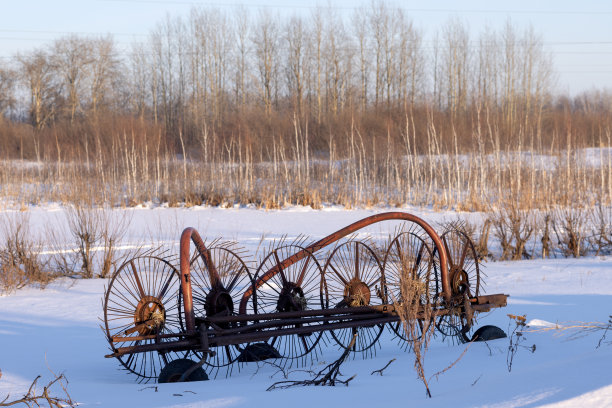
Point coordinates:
[(575, 42), (580, 66), (582, 52), (3, 30), (127, 53), (426, 10), (471, 44), (585, 72)]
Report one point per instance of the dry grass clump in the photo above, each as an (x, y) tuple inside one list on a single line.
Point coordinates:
[(20, 260)]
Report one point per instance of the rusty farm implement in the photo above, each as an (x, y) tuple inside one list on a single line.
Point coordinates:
[(163, 323)]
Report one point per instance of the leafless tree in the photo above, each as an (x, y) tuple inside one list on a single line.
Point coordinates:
[(138, 80), (7, 90), (37, 74), (242, 56), (295, 37), (104, 72), (360, 34), (337, 52), (70, 58), (455, 65), (266, 45)]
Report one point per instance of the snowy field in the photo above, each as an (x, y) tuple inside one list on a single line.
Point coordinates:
[(60, 327)]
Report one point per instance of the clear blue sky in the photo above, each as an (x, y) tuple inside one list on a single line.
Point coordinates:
[(578, 33)]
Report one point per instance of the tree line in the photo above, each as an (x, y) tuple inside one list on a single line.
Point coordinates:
[(236, 86)]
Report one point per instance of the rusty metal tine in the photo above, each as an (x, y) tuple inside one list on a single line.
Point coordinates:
[(280, 267), (357, 261), (300, 278), (417, 262), (463, 254), (137, 278)]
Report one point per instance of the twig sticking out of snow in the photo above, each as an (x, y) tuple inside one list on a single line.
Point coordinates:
[(451, 365), (32, 398), (326, 377), (380, 371)]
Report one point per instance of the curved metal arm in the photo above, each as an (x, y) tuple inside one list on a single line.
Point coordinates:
[(349, 230), (190, 234)]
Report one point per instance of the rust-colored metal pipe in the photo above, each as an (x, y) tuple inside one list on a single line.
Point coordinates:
[(188, 235), (446, 291)]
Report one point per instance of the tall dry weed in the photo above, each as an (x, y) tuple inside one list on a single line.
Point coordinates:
[(416, 312)]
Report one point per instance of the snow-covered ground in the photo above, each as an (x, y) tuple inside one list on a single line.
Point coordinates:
[(59, 327)]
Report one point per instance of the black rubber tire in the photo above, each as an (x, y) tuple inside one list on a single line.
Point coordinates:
[(173, 371), (488, 332), (258, 352)]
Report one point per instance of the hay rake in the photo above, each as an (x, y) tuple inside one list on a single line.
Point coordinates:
[(215, 310)]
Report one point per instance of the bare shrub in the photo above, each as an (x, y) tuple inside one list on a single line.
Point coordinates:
[(601, 234), (482, 244), (113, 232), (20, 260), (95, 234), (513, 227), (86, 225), (569, 227)]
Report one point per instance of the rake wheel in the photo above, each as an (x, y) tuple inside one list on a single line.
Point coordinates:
[(293, 288), (354, 277), (142, 299), (408, 256), (465, 280), (212, 297)]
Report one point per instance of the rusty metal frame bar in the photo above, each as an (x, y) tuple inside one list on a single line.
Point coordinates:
[(365, 222), (317, 320)]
